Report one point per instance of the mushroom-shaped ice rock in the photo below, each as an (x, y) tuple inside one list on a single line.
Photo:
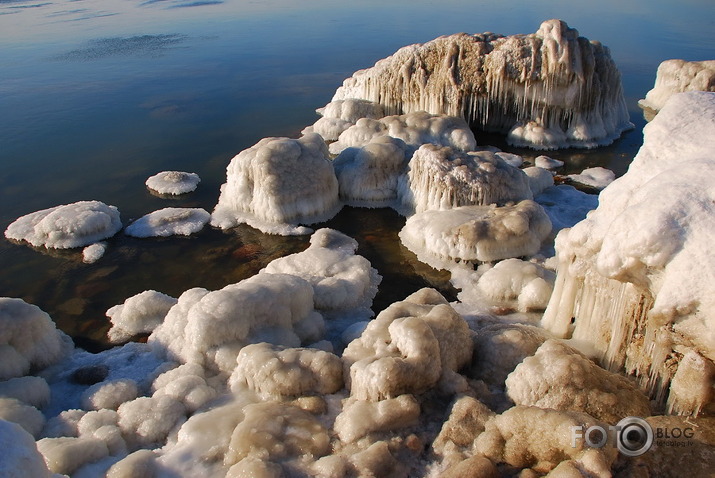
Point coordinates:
[(561, 378), (368, 175), (409, 348), (678, 76), (277, 184), (415, 129), (337, 116), (63, 227), (476, 233), (29, 340), (169, 221), (139, 314), (173, 182), (210, 328), (549, 89), (445, 178)]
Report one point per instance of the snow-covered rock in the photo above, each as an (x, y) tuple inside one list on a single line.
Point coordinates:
[(337, 116), (597, 177), (139, 314), (678, 76), (169, 221), (173, 182)]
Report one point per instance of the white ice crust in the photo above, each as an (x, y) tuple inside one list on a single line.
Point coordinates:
[(173, 182), (20, 458), (678, 76), (547, 90), (337, 116), (597, 177), (93, 252), (63, 227), (139, 314), (169, 221), (277, 184)]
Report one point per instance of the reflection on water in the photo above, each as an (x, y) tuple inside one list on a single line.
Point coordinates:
[(95, 97)]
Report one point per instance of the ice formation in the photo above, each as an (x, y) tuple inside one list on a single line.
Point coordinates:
[(63, 227), (540, 179), (678, 76), (476, 233), (561, 378), (139, 314), (93, 252), (597, 177), (445, 178), (337, 116), (342, 281), (547, 162), (547, 90), (169, 221), (277, 184), (210, 328), (415, 128), (636, 276), (566, 205), (173, 182), (29, 340), (527, 283)]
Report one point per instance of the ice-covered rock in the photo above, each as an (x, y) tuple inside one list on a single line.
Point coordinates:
[(146, 421), (560, 378), (93, 252), (540, 179), (29, 340), (173, 182), (30, 390), (360, 417), (367, 175), (566, 205), (476, 233), (210, 328), (466, 421), (27, 416), (169, 221), (337, 116), (186, 383), (64, 227), (678, 76), (109, 394), (342, 280), (547, 162), (279, 372), (445, 178), (277, 184), (636, 277), (527, 283), (415, 128), (550, 89), (597, 177), (64, 455), (139, 314), (408, 348), (20, 458)]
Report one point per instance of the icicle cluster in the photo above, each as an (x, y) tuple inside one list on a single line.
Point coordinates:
[(547, 90)]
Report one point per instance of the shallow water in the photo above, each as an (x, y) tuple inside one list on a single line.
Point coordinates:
[(97, 96)]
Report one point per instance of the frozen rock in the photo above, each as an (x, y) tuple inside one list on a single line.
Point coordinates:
[(337, 116), (547, 162), (539, 179), (27, 416), (170, 221), (597, 177), (20, 458), (466, 421), (109, 394), (147, 421), (141, 463), (550, 89), (560, 378), (186, 383), (139, 314), (476, 233), (64, 424), (360, 418), (29, 340), (415, 128), (678, 76), (93, 252), (409, 347), (63, 227), (691, 389), (65, 455), (255, 468), (277, 372), (510, 158), (32, 391), (636, 276), (210, 328), (368, 175), (277, 184), (445, 178), (528, 283), (377, 460), (531, 437), (173, 182)]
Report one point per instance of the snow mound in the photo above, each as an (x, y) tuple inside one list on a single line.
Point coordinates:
[(277, 184), (547, 90), (678, 76), (64, 227), (169, 221), (409, 347), (643, 260), (445, 178), (560, 378), (139, 314), (173, 182), (415, 128), (210, 328), (29, 340), (528, 283), (476, 233)]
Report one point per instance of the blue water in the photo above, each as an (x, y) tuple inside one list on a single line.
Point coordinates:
[(95, 96)]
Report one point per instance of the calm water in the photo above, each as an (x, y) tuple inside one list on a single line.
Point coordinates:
[(95, 96)]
